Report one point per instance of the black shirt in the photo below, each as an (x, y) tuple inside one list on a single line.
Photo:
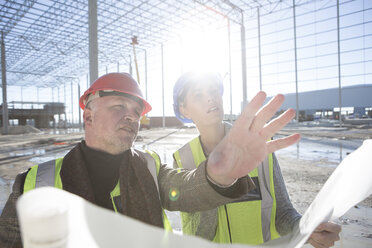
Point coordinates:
[(103, 169)]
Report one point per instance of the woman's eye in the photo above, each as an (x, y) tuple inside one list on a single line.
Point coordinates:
[(216, 92), (197, 95)]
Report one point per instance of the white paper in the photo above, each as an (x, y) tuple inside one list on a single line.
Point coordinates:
[(348, 185), (43, 220)]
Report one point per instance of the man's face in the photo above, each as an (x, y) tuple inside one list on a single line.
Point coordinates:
[(112, 123)]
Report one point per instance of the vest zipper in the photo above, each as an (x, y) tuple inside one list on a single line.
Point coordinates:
[(228, 223)]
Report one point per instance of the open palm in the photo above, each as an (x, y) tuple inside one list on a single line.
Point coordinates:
[(248, 142)]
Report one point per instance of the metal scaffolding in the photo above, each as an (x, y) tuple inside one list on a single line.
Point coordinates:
[(46, 42), (49, 39)]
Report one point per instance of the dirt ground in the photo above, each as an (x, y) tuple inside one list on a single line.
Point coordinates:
[(303, 178)]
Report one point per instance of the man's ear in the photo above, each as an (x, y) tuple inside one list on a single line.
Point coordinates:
[(88, 116)]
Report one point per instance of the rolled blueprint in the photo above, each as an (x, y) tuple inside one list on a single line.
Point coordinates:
[(43, 218)]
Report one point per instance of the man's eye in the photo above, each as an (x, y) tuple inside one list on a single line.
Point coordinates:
[(119, 107)]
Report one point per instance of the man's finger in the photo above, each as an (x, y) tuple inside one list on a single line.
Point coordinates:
[(249, 111), (326, 239), (266, 112), (281, 143), (278, 123)]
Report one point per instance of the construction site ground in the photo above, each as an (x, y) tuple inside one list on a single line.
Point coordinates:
[(305, 167)]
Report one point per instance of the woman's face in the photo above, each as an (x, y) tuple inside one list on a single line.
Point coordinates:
[(203, 103)]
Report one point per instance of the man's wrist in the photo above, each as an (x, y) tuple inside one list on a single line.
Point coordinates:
[(221, 185)]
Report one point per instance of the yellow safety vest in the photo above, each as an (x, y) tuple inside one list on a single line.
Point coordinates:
[(251, 219), (48, 174)]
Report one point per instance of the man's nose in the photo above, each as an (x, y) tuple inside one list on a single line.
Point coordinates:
[(131, 116)]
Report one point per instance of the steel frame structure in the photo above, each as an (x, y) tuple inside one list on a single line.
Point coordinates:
[(46, 41)]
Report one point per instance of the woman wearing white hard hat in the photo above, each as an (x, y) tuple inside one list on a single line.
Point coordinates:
[(262, 215)]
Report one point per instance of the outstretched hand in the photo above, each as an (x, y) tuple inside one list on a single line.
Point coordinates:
[(248, 142)]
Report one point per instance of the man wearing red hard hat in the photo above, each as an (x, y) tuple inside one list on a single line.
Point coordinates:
[(106, 170)]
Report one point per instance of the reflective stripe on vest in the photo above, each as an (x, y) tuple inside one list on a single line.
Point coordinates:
[(45, 174), (249, 221), (48, 174), (115, 199), (190, 159), (153, 164)]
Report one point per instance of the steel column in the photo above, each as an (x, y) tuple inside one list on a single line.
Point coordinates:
[(295, 53), (72, 106), (65, 100), (259, 45), (146, 74), (3, 80), (162, 82), (53, 105), (93, 40), (229, 44), (339, 62), (59, 115), (130, 65), (79, 105), (244, 63), (88, 81)]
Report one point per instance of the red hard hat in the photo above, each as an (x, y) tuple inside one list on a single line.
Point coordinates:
[(119, 82)]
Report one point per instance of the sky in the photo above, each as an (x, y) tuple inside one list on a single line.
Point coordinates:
[(317, 53)]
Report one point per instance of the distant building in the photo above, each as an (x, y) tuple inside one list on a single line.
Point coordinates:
[(37, 114), (356, 102)]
